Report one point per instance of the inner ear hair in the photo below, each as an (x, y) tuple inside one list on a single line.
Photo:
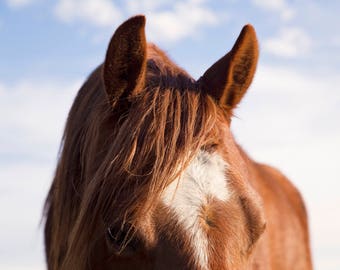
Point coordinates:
[(243, 66), (229, 78), (125, 62)]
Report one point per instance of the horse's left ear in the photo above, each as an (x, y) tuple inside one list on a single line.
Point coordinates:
[(125, 62), (229, 78)]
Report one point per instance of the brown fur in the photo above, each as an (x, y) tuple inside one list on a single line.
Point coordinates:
[(134, 126)]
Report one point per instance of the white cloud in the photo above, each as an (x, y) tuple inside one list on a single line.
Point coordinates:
[(32, 117), (286, 12), (19, 3), (145, 5), (182, 19), (185, 19), (292, 107), (97, 12), (167, 20), (335, 41), (290, 42)]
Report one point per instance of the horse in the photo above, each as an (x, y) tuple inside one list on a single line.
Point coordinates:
[(149, 175)]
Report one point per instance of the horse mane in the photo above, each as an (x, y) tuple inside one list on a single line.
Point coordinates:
[(115, 162)]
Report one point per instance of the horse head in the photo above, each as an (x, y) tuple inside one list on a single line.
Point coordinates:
[(172, 188)]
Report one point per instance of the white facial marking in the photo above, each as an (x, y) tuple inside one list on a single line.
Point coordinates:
[(205, 177)]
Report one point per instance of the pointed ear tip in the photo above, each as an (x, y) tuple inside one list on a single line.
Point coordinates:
[(249, 26), (138, 19), (131, 26), (249, 29), (248, 34)]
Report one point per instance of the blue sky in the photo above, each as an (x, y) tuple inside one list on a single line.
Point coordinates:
[(289, 118)]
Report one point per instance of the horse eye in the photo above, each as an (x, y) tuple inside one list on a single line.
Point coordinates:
[(122, 240)]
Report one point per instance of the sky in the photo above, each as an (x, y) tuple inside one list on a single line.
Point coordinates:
[(289, 117)]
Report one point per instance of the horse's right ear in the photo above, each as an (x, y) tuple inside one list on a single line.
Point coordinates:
[(125, 62)]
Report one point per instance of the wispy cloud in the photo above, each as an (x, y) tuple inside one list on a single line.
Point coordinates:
[(32, 117), (98, 12), (168, 21), (184, 19), (19, 3), (297, 106), (285, 11), (290, 42)]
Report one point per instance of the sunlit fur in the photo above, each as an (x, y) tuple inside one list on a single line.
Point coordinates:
[(138, 128)]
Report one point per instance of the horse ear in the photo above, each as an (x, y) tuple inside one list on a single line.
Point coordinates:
[(229, 78), (125, 62)]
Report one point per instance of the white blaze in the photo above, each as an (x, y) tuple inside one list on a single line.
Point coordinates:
[(205, 177)]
